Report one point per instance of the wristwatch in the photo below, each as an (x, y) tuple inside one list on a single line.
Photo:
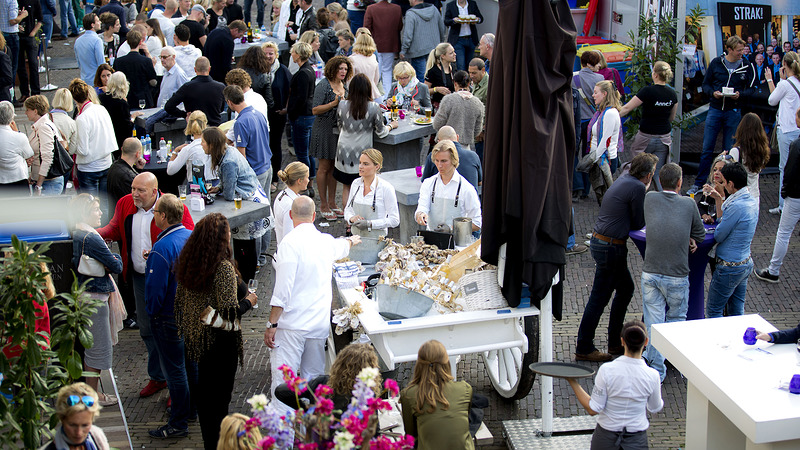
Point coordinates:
[(272, 325)]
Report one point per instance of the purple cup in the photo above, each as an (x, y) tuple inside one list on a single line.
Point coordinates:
[(750, 336), (419, 171), (794, 384)]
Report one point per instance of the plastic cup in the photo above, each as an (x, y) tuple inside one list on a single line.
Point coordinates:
[(750, 336), (419, 171), (182, 192), (794, 384), (237, 202)]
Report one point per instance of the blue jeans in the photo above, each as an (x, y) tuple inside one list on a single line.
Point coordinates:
[(784, 141), (301, 136), (53, 186), (419, 66), (248, 4), (95, 183), (716, 120), (12, 42), (664, 299), (465, 51), (47, 27), (145, 329), (173, 365), (571, 239), (67, 14), (158, 116), (728, 287), (611, 274)]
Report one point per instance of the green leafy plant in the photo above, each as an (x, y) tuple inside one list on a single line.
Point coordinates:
[(656, 40), (31, 377)]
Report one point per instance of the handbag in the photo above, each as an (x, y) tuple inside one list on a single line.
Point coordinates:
[(62, 161), (89, 266)]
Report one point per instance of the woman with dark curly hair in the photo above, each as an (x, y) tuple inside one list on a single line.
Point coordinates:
[(327, 95), (254, 62), (207, 313)]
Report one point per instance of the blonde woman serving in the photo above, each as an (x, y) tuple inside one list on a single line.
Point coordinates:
[(372, 206)]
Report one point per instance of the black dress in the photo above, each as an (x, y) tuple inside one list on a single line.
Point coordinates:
[(120, 113)]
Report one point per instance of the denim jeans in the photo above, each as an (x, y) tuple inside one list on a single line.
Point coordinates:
[(95, 183), (465, 51), (716, 120), (158, 116), (262, 243), (154, 370), (660, 292), (53, 186), (571, 239), (419, 64), (12, 42), (67, 13), (248, 5), (611, 274), (173, 365), (784, 141), (728, 287), (301, 136), (47, 27), (789, 218)]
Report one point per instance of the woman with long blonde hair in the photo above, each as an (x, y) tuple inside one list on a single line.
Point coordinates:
[(436, 408), (607, 140), (439, 71)]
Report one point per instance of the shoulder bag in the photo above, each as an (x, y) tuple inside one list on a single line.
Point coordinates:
[(89, 266), (62, 161)]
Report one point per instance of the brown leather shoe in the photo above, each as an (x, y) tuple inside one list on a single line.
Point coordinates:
[(596, 356)]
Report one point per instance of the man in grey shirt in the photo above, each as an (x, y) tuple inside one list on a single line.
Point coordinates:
[(674, 227)]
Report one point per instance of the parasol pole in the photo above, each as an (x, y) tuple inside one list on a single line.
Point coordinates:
[(546, 355)]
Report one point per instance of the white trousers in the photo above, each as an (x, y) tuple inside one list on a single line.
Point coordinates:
[(385, 65), (305, 356), (789, 218)]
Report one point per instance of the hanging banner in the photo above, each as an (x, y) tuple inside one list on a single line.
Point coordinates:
[(743, 20)]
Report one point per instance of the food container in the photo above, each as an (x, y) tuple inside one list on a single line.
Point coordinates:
[(396, 302)]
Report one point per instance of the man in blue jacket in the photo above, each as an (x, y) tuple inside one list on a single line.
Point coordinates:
[(160, 287), (726, 71)]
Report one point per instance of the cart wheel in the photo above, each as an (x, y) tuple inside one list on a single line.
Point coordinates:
[(508, 368)]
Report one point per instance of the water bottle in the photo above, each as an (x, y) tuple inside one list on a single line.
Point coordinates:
[(263, 31), (146, 148), (162, 149), (147, 143)]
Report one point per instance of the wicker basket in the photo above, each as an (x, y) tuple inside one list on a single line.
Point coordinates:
[(480, 291)]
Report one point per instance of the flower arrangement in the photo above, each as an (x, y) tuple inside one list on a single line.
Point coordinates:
[(316, 427)]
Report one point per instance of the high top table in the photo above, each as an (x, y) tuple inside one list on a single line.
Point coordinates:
[(249, 212), (733, 400)]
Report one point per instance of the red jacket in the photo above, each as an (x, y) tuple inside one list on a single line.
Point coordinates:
[(385, 21), (121, 226)]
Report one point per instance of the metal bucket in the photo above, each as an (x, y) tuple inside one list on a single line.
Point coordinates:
[(462, 231), (367, 251), (395, 302)]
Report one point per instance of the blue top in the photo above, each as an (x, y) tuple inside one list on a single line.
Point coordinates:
[(236, 175), (251, 132), (94, 247), (737, 226), (89, 53), (160, 283)]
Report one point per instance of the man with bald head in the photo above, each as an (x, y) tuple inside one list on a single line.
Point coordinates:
[(301, 301), (469, 164), (202, 93), (133, 226)]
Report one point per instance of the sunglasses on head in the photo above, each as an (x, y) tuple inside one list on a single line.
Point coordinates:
[(87, 400)]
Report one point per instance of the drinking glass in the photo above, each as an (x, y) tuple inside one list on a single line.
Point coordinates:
[(182, 192), (706, 191), (237, 201), (428, 113), (252, 285), (142, 104)]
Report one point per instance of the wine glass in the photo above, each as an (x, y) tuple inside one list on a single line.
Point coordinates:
[(704, 202), (252, 285), (142, 103)]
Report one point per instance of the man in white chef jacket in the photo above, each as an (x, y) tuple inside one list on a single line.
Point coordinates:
[(299, 322)]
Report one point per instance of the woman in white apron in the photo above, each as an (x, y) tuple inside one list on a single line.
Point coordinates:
[(295, 176), (447, 195), (371, 208)]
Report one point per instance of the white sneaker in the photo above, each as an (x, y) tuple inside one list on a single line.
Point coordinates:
[(776, 210), (588, 235)]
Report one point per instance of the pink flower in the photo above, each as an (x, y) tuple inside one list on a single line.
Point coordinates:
[(377, 404), (325, 406), (323, 390), (308, 446), (267, 443), (297, 385), (392, 387), (288, 373)]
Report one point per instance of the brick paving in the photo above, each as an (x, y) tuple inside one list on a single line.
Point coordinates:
[(776, 302)]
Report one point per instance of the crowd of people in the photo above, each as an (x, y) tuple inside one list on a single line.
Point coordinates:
[(185, 284)]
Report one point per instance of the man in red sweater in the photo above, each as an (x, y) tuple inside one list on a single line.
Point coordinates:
[(134, 227), (385, 21)]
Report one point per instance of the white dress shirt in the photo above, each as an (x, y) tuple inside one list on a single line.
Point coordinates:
[(463, 11), (468, 201), (303, 280), (173, 79), (14, 150), (140, 238), (281, 208), (622, 390), (385, 203), (192, 151)]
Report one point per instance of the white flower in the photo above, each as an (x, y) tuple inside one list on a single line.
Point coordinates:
[(370, 376), (258, 402), (343, 440)]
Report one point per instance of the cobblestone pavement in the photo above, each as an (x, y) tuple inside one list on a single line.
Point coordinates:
[(776, 302)]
